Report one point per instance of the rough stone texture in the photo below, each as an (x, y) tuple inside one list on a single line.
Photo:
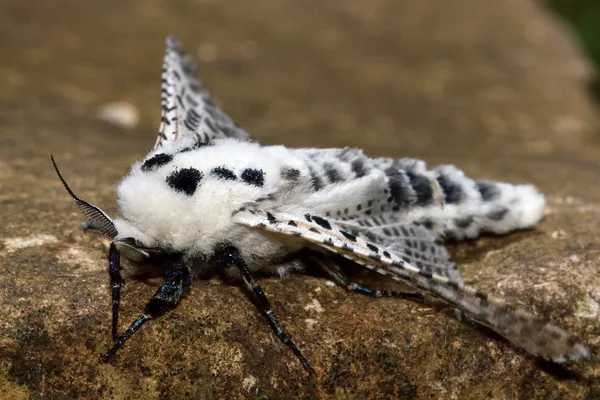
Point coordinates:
[(498, 88)]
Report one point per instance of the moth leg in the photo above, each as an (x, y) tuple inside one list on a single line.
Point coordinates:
[(116, 281), (334, 271), (165, 299), (231, 256)]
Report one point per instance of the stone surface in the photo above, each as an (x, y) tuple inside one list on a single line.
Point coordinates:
[(498, 88)]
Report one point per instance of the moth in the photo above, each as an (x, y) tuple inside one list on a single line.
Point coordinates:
[(208, 197)]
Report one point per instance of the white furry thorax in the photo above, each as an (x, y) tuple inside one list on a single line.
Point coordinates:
[(159, 216)]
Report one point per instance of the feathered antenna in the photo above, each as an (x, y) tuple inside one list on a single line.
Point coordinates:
[(95, 216)]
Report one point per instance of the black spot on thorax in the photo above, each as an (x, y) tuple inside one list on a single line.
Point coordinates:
[(224, 173), (185, 180), (254, 177), (157, 161)]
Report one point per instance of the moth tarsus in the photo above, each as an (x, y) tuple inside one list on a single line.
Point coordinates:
[(207, 191)]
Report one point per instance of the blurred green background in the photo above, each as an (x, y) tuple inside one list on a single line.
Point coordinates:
[(584, 18)]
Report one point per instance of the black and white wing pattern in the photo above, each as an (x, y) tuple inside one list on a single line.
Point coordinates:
[(541, 339), (412, 242), (379, 191), (187, 107)]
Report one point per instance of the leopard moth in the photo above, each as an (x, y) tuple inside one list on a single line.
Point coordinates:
[(209, 197)]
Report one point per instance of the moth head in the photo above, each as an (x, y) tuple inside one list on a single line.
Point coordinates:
[(130, 247)]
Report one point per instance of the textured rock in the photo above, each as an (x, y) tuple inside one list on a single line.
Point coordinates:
[(497, 88)]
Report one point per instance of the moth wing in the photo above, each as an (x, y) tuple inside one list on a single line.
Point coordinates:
[(412, 242), (187, 108), (541, 339)]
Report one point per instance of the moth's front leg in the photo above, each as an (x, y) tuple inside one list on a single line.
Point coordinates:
[(177, 277), (116, 281), (230, 256)]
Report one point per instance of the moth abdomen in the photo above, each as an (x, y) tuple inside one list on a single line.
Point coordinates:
[(483, 206)]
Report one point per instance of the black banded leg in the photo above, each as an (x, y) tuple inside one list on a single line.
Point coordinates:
[(335, 272), (116, 281), (231, 256), (165, 299)]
